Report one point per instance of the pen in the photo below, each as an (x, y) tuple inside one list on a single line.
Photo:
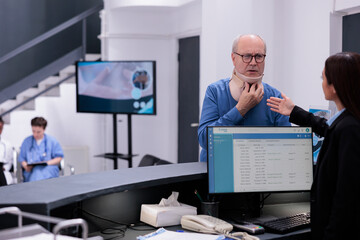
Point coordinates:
[(198, 195)]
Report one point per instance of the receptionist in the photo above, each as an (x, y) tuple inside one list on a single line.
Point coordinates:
[(40, 154)]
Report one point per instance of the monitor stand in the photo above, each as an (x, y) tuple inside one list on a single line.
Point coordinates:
[(115, 155), (239, 206)]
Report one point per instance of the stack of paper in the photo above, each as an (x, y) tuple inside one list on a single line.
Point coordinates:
[(46, 236)]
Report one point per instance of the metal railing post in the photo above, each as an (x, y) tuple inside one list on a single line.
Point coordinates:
[(84, 37)]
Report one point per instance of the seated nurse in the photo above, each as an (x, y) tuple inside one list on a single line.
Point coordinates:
[(40, 147)]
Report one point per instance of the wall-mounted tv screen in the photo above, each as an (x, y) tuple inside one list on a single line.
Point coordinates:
[(124, 87)]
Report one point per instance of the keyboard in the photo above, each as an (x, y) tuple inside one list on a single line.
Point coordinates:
[(287, 224)]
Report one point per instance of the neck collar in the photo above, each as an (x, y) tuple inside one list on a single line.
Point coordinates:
[(237, 80)]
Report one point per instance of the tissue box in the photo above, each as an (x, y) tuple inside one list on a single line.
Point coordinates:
[(159, 216)]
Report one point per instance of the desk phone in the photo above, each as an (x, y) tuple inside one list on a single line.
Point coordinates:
[(209, 224)]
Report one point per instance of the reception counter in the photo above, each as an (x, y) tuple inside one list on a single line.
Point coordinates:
[(60, 197), (105, 199)]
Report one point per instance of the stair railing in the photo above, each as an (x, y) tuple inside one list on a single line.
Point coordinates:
[(81, 17), (37, 95)]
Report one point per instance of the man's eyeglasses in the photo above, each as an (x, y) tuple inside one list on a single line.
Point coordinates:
[(259, 58)]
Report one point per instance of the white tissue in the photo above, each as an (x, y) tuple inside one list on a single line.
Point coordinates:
[(171, 201), (167, 213)]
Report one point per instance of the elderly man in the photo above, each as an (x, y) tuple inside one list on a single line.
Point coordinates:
[(241, 99)]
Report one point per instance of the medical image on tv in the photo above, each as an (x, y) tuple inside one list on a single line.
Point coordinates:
[(119, 86)]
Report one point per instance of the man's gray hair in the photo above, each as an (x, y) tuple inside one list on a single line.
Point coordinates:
[(236, 41)]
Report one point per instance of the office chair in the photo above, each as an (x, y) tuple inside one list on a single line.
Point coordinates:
[(62, 168), (150, 160), (18, 171), (2, 176), (9, 169)]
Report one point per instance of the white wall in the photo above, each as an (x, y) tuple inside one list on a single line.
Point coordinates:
[(297, 37), (152, 134), (347, 6), (151, 33)]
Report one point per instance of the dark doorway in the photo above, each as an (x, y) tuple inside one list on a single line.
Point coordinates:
[(189, 65), (351, 33)]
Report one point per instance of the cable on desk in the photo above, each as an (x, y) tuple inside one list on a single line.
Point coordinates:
[(141, 227), (114, 230), (102, 218), (262, 201), (118, 230)]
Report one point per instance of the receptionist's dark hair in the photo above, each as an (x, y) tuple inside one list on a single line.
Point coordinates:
[(39, 122), (343, 71)]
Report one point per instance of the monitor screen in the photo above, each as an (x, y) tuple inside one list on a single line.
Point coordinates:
[(259, 159), (116, 87)]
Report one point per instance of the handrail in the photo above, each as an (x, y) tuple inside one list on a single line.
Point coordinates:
[(60, 223), (50, 33), (81, 17), (37, 95), (71, 223), (15, 211)]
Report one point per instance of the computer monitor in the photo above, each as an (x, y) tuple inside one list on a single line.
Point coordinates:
[(259, 159)]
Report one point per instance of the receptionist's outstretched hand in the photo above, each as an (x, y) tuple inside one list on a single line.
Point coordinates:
[(283, 106)]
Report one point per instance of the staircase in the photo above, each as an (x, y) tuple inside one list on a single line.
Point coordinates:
[(37, 67), (25, 101), (25, 68)]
